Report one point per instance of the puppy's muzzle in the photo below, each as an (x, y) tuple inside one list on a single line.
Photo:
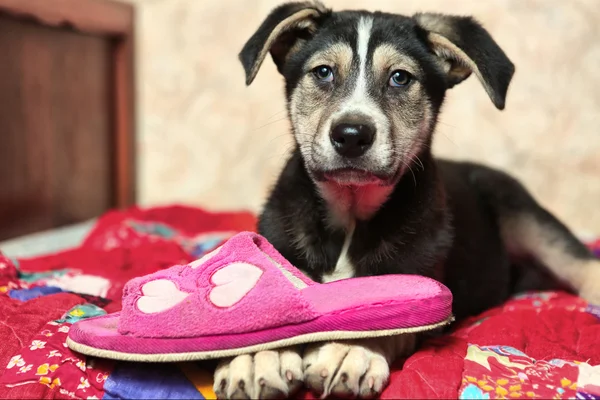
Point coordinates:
[(352, 137)]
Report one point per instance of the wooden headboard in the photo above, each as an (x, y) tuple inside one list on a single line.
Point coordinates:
[(66, 112)]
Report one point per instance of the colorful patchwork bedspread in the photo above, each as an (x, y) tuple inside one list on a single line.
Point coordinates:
[(537, 345)]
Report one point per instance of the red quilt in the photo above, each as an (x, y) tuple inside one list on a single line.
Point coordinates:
[(539, 345)]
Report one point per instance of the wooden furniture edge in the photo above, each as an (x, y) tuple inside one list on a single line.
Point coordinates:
[(116, 21), (104, 17)]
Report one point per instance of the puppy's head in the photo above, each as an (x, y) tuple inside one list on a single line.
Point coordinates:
[(364, 89)]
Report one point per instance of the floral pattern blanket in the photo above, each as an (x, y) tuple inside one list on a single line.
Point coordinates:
[(536, 345)]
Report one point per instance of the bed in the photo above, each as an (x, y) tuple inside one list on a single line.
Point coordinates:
[(45, 242), (539, 345), (60, 263)]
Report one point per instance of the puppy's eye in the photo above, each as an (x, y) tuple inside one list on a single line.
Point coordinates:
[(323, 73), (400, 78)]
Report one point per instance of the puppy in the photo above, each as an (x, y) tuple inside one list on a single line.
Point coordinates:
[(362, 194)]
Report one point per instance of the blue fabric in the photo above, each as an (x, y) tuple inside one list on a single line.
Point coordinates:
[(203, 247), (158, 229), (28, 294), (81, 311), (149, 381), (31, 277)]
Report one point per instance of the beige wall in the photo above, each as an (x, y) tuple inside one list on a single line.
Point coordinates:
[(206, 139)]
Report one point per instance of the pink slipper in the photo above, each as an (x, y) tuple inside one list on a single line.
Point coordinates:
[(245, 297)]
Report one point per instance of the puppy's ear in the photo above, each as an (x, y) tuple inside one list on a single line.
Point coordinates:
[(284, 29), (465, 48)]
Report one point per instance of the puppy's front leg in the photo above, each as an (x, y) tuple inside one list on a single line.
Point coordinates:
[(353, 368), (273, 374)]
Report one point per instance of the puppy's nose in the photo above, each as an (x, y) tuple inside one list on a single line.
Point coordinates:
[(352, 140)]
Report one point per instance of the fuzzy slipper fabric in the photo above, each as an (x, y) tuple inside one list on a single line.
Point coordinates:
[(245, 297)]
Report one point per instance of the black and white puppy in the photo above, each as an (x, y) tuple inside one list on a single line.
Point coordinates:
[(362, 194)]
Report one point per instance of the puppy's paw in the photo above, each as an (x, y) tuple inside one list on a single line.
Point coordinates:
[(590, 290), (345, 370), (264, 375)]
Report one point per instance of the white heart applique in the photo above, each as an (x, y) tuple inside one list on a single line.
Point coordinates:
[(233, 282), (159, 295)]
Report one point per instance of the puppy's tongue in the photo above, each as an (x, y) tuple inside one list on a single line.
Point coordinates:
[(355, 200)]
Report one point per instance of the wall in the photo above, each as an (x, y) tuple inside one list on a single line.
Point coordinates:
[(206, 139)]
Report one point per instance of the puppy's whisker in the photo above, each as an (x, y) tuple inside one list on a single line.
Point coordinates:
[(443, 133), (270, 123), (420, 162), (440, 122), (277, 113), (280, 136), (407, 165)]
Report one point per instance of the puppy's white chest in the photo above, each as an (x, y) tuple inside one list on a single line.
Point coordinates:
[(343, 268)]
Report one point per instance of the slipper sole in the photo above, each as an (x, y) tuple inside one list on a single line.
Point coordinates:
[(214, 354)]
